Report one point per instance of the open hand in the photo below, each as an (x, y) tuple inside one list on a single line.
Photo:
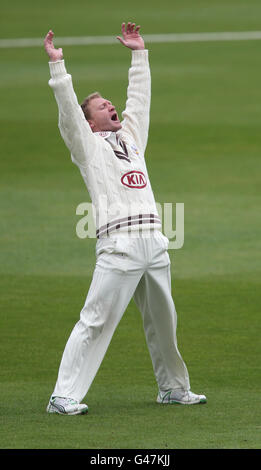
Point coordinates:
[(54, 54), (131, 36)]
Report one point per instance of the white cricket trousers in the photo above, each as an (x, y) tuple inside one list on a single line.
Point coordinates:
[(125, 267)]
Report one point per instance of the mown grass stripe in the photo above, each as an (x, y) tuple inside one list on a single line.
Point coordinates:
[(149, 38)]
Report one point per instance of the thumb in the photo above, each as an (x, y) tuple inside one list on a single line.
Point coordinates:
[(120, 39)]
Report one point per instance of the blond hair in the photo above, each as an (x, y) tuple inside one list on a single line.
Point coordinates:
[(86, 104)]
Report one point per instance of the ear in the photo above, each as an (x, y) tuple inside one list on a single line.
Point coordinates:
[(91, 123)]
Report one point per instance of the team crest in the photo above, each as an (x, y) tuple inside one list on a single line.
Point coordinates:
[(134, 149)]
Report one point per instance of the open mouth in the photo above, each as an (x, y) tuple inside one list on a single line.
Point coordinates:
[(114, 117)]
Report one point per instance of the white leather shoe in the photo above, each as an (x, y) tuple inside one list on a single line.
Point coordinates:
[(66, 406), (182, 397)]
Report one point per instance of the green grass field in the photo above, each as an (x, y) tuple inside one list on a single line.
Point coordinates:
[(204, 150)]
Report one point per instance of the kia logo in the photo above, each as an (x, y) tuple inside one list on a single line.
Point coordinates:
[(134, 179)]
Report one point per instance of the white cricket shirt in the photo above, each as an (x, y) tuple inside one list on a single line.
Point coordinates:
[(112, 164)]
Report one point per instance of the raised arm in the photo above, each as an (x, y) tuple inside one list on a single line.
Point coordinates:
[(73, 126), (137, 112)]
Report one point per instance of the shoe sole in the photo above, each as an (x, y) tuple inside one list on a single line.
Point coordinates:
[(202, 401)]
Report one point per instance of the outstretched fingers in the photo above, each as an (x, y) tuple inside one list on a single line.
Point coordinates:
[(54, 54), (123, 28), (49, 36), (129, 29), (48, 41), (130, 36)]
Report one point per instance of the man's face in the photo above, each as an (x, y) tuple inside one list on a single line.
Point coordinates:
[(103, 116)]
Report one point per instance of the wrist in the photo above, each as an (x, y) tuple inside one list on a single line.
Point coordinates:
[(55, 57), (57, 68)]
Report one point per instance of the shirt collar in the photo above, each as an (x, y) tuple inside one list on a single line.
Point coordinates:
[(112, 137), (104, 134)]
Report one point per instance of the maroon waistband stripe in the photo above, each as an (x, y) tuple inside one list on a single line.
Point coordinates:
[(127, 222)]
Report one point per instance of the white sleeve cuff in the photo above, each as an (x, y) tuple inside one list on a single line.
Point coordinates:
[(57, 69), (140, 56)]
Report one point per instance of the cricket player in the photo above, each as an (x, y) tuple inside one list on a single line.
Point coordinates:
[(131, 251)]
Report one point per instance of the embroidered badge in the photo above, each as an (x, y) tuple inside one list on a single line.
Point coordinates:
[(134, 148)]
